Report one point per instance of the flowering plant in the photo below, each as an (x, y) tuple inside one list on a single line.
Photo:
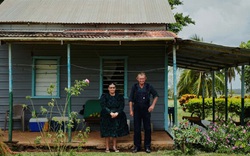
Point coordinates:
[(186, 135), (222, 136), (60, 138), (226, 137)]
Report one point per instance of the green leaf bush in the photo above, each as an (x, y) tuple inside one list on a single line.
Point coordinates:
[(220, 137), (190, 103), (226, 137)]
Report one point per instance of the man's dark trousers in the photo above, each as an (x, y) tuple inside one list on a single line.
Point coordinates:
[(141, 114)]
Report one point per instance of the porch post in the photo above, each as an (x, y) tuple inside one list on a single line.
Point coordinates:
[(213, 95), (175, 85), (242, 95), (203, 95), (69, 85), (10, 96), (166, 92), (226, 94)]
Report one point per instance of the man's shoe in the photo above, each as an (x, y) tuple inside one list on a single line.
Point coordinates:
[(147, 150), (135, 150)]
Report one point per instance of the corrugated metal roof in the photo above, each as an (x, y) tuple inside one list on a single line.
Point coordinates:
[(203, 56), (87, 11)]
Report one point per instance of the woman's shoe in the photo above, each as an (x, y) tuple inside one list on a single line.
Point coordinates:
[(115, 150), (107, 151)]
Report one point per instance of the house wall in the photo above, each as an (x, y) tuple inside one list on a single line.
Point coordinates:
[(85, 62)]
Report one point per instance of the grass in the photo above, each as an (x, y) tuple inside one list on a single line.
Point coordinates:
[(158, 153), (180, 112)]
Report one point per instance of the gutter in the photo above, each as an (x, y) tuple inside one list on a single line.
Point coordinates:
[(85, 39)]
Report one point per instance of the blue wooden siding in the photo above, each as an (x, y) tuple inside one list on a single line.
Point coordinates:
[(85, 62)]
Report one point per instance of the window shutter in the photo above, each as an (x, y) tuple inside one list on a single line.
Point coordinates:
[(113, 71), (46, 74)]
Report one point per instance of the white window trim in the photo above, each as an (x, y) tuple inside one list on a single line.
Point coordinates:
[(34, 77)]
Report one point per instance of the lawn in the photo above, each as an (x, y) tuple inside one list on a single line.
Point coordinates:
[(159, 153), (180, 112)]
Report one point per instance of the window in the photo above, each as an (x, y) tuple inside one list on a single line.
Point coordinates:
[(114, 70), (46, 71)]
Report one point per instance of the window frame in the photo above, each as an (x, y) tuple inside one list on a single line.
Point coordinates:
[(34, 59), (125, 58)]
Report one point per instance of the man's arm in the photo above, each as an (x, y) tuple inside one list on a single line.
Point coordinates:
[(151, 108), (131, 112), (155, 96), (131, 101)]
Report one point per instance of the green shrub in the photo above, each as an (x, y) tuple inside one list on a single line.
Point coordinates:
[(226, 137), (185, 136), (219, 137), (192, 104)]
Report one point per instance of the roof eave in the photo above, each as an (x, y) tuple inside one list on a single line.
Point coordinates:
[(29, 39)]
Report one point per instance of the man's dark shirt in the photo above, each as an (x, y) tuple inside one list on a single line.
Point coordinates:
[(141, 96)]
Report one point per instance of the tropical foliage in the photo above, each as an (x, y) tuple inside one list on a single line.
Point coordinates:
[(247, 68), (185, 135), (221, 137), (193, 104), (226, 137), (181, 20), (190, 81)]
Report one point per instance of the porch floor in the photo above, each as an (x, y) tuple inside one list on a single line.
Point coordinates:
[(160, 140)]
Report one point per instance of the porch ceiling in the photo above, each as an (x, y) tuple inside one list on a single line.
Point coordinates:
[(206, 56)]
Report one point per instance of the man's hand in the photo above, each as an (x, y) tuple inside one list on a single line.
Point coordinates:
[(151, 108), (131, 113)]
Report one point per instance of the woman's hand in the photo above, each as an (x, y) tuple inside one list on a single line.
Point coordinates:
[(114, 115)]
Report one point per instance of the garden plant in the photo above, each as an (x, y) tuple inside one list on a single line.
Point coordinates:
[(220, 137), (191, 103), (57, 142)]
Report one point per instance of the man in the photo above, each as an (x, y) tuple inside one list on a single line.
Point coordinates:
[(140, 109)]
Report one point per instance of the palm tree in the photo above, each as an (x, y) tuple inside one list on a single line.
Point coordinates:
[(231, 77), (191, 81), (195, 37)]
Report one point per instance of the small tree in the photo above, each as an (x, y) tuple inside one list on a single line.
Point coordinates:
[(57, 142)]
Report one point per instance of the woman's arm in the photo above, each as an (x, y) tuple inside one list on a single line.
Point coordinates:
[(103, 103), (121, 104)]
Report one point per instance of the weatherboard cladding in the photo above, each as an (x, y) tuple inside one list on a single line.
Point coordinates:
[(87, 11), (85, 62)]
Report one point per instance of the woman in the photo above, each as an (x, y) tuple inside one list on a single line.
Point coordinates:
[(113, 119)]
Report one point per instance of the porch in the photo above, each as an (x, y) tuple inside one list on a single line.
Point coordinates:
[(25, 141)]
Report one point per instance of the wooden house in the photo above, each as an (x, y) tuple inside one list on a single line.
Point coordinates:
[(51, 41), (59, 41)]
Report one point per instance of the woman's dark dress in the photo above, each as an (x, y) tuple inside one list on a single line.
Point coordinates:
[(113, 127)]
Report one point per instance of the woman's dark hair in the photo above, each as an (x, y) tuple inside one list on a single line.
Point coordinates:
[(110, 83)]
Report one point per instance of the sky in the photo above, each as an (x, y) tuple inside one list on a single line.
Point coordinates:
[(222, 22)]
